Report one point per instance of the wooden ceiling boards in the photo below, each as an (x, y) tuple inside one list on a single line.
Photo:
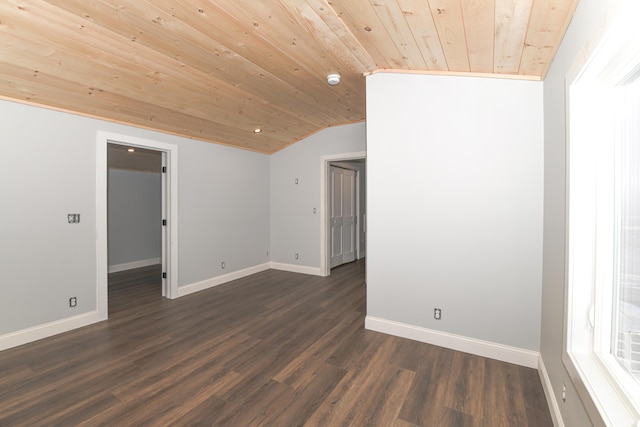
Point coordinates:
[(216, 70)]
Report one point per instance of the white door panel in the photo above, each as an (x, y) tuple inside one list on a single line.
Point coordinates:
[(343, 216), (336, 217)]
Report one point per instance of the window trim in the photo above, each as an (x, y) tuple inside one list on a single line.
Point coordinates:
[(616, 55)]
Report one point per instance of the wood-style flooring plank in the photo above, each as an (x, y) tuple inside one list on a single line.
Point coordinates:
[(271, 349), (466, 383), (425, 401), (504, 402)]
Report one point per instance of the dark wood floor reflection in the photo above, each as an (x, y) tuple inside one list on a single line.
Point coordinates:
[(273, 349)]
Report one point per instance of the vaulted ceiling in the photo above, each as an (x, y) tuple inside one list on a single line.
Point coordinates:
[(216, 70)]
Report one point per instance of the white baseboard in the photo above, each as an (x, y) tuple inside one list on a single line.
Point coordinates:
[(554, 408), (292, 268), (488, 349), (15, 339), (219, 280), (134, 264)]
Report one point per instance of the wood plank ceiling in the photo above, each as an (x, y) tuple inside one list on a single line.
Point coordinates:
[(216, 70)]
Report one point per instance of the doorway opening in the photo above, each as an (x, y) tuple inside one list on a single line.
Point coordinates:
[(167, 156), (343, 216), (134, 217)]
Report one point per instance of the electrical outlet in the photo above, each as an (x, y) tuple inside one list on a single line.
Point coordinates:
[(437, 313), (73, 218), (223, 265), (73, 301), (296, 255)]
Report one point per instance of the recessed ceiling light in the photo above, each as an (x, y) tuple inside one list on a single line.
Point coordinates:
[(131, 150), (257, 130)]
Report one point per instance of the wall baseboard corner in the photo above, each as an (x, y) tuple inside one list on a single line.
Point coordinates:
[(292, 268), (219, 280), (554, 408), (482, 348)]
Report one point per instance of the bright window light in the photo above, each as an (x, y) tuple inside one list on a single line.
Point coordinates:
[(603, 250)]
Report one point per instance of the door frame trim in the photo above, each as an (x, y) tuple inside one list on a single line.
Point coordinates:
[(102, 251), (325, 268)]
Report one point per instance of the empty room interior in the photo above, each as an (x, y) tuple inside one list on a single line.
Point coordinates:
[(312, 212)]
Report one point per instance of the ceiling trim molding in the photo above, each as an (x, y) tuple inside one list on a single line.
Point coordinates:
[(457, 73)]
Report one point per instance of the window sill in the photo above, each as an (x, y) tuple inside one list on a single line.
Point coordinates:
[(601, 399)]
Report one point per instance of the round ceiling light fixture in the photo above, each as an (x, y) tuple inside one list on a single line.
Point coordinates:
[(257, 130), (333, 79)]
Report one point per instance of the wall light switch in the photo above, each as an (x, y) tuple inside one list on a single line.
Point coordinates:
[(73, 218)]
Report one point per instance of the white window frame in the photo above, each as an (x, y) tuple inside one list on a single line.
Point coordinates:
[(609, 395)]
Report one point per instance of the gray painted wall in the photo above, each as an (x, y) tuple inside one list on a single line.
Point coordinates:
[(455, 177), (294, 226), (588, 15), (134, 212), (224, 210), (48, 169)]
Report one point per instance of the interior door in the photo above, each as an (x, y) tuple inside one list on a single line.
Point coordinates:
[(343, 216)]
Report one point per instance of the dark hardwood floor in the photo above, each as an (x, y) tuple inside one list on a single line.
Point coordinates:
[(273, 349)]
